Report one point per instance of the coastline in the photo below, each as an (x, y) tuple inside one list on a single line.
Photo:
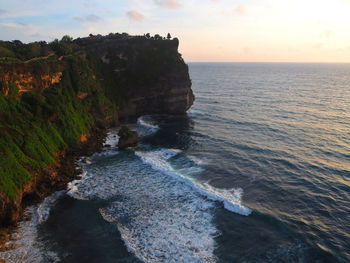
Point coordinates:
[(51, 179)]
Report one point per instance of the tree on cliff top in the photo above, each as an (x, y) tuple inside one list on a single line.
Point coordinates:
[(168, 36), (67, 39)]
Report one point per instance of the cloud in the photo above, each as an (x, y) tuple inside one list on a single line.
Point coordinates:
[(13, 25), (172, 4), (268, 4), (136, 16), (89, 4), (240, 10), (247, 50), (318, 45), (327, 34), (35, 35), (89, 18), (93, 18), (2, 11)]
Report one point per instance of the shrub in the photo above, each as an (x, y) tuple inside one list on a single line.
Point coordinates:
[(124, 132)]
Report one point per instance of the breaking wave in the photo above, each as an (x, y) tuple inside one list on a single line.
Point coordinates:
[(145, 127), (24, 245), (159, 160), (160, 218)]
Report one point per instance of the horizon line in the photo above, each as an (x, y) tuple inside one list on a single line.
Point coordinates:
[(271, 62)]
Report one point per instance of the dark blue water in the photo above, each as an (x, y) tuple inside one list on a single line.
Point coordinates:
[(258, 171)]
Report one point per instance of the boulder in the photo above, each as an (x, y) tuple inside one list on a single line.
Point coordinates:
[(127, 138)]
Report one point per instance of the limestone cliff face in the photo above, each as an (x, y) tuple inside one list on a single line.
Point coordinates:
[(151, 73), (172, 95), (26, 78)]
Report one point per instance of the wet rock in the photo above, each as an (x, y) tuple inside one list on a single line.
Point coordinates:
[(127, 138)]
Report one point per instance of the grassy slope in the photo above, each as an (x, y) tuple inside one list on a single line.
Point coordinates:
[(34, 126)]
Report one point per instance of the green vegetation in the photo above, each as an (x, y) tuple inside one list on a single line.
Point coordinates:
[(20, 51), (16, 51), (125, 132), (34, 126)]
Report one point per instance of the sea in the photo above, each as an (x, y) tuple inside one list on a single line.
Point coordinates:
[(257, 171)]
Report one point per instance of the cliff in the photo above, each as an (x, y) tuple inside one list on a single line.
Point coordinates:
[(149, 73), (28, 77), (57, 99)]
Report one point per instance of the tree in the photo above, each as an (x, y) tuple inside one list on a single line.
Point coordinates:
[(157, 37), (34, 50), (67, 39), (168, 36), (17, 42), (125, 35), (148, 35)]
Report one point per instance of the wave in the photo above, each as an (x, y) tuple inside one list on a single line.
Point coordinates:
[(160, 219), (231, 198), (111, 139), (145, 127), (24, 245), (72, 186), (43, 210)]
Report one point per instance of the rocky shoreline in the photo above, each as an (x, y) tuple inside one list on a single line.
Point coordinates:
[(49, 180), (107, 79)]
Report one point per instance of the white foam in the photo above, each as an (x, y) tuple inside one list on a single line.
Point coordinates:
[(44, 207), (145, 127), (73, 187), (24, 246), (83, 161), (160, 219), (112, 138), (231, 198), (196, 160)]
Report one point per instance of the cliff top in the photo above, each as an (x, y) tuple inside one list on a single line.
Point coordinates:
[(17, 52)]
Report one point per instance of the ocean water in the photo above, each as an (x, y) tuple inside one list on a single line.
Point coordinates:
[(257, 171)]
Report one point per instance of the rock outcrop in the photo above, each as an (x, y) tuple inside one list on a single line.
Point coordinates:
[(129, 141), (127, 138), (152, 75)]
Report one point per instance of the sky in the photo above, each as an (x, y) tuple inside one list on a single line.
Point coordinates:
[(208, 30)]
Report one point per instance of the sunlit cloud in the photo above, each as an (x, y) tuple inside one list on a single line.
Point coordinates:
[(268, 4), (247, 50), (239, 10), (136, 16), (318, 45), (327, 34), (172, 4)]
